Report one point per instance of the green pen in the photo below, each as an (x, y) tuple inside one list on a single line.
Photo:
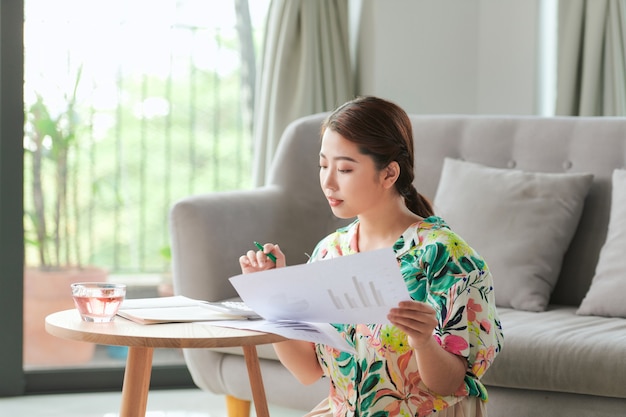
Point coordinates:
[(269, 255)]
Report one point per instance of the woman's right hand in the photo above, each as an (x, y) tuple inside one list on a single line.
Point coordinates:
[(255, 261)]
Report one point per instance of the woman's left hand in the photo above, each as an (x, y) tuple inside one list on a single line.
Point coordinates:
[(417, 320)]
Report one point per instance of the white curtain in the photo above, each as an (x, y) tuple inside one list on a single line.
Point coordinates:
[(305, 70), (591, 67)]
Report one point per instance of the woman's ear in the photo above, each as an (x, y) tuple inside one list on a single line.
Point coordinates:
[(391, 174)]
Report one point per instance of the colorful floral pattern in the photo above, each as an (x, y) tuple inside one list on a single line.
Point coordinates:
[(382, 379)]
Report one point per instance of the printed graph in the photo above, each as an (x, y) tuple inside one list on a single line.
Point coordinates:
[(365, 295), (295, 326)]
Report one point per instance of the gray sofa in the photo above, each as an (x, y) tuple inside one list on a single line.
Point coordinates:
[(555, 362)]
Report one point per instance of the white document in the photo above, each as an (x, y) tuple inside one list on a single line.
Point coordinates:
[(359, 288), (322, 333)]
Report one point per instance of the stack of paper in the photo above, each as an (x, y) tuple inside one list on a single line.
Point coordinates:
[(297, 302), (359, 288), (300, 302), (176, 309)]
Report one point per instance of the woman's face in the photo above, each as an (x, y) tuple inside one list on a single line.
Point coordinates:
[(350, 181)]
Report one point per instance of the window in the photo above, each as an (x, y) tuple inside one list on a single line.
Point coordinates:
[(129, 106)]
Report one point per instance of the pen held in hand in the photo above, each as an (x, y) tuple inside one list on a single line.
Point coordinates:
[(269, 255)]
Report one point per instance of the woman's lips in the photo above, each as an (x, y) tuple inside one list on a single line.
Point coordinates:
[(333, 201)]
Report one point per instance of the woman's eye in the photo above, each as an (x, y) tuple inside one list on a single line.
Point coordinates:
[(344, 171)]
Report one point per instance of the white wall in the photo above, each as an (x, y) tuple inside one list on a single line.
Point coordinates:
[(449, 56)]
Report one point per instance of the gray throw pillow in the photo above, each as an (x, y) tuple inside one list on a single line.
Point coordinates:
[(606, 294), (521, 223)]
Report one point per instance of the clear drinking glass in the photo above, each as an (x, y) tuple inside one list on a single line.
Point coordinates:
[(98, 301)]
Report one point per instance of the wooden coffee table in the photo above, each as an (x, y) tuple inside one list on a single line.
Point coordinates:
[(142, 339)]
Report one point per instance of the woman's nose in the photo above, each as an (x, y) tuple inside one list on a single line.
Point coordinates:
[(327, 180)]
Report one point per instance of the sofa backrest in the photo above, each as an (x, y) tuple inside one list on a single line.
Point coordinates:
[(528, 143)]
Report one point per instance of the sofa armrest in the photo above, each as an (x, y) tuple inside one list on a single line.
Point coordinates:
[(209, 232)]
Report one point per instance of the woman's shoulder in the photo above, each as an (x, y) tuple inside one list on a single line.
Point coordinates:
[(435, 227), (427, 230), (434, 230), (433, 222)]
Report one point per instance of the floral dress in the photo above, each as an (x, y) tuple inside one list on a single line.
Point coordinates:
[(382, 379)]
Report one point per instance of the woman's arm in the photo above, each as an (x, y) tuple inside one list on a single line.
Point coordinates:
[(441, 371), (297, 356), (301, 360)]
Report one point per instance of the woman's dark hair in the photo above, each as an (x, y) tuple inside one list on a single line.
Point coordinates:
[(382, 130)]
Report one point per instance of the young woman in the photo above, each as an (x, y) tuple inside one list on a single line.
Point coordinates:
[(441, 342)]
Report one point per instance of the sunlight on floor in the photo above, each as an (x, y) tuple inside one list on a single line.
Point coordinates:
[(161, 403)]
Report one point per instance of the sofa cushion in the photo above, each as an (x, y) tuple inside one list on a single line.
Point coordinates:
[(558, 350), (520, 222), (606, 294)]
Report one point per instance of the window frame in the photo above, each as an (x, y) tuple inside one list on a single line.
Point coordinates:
[(11, 195)]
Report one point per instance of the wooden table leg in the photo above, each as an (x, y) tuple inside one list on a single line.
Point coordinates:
[(136, 381), (256, 381)]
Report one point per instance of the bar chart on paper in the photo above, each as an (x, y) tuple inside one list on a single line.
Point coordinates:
[(359, 288), (363, 295)]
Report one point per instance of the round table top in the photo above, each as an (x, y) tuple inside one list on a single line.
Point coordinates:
[(68, 325)]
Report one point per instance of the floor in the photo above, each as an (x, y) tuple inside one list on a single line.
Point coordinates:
[(161, 403)]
